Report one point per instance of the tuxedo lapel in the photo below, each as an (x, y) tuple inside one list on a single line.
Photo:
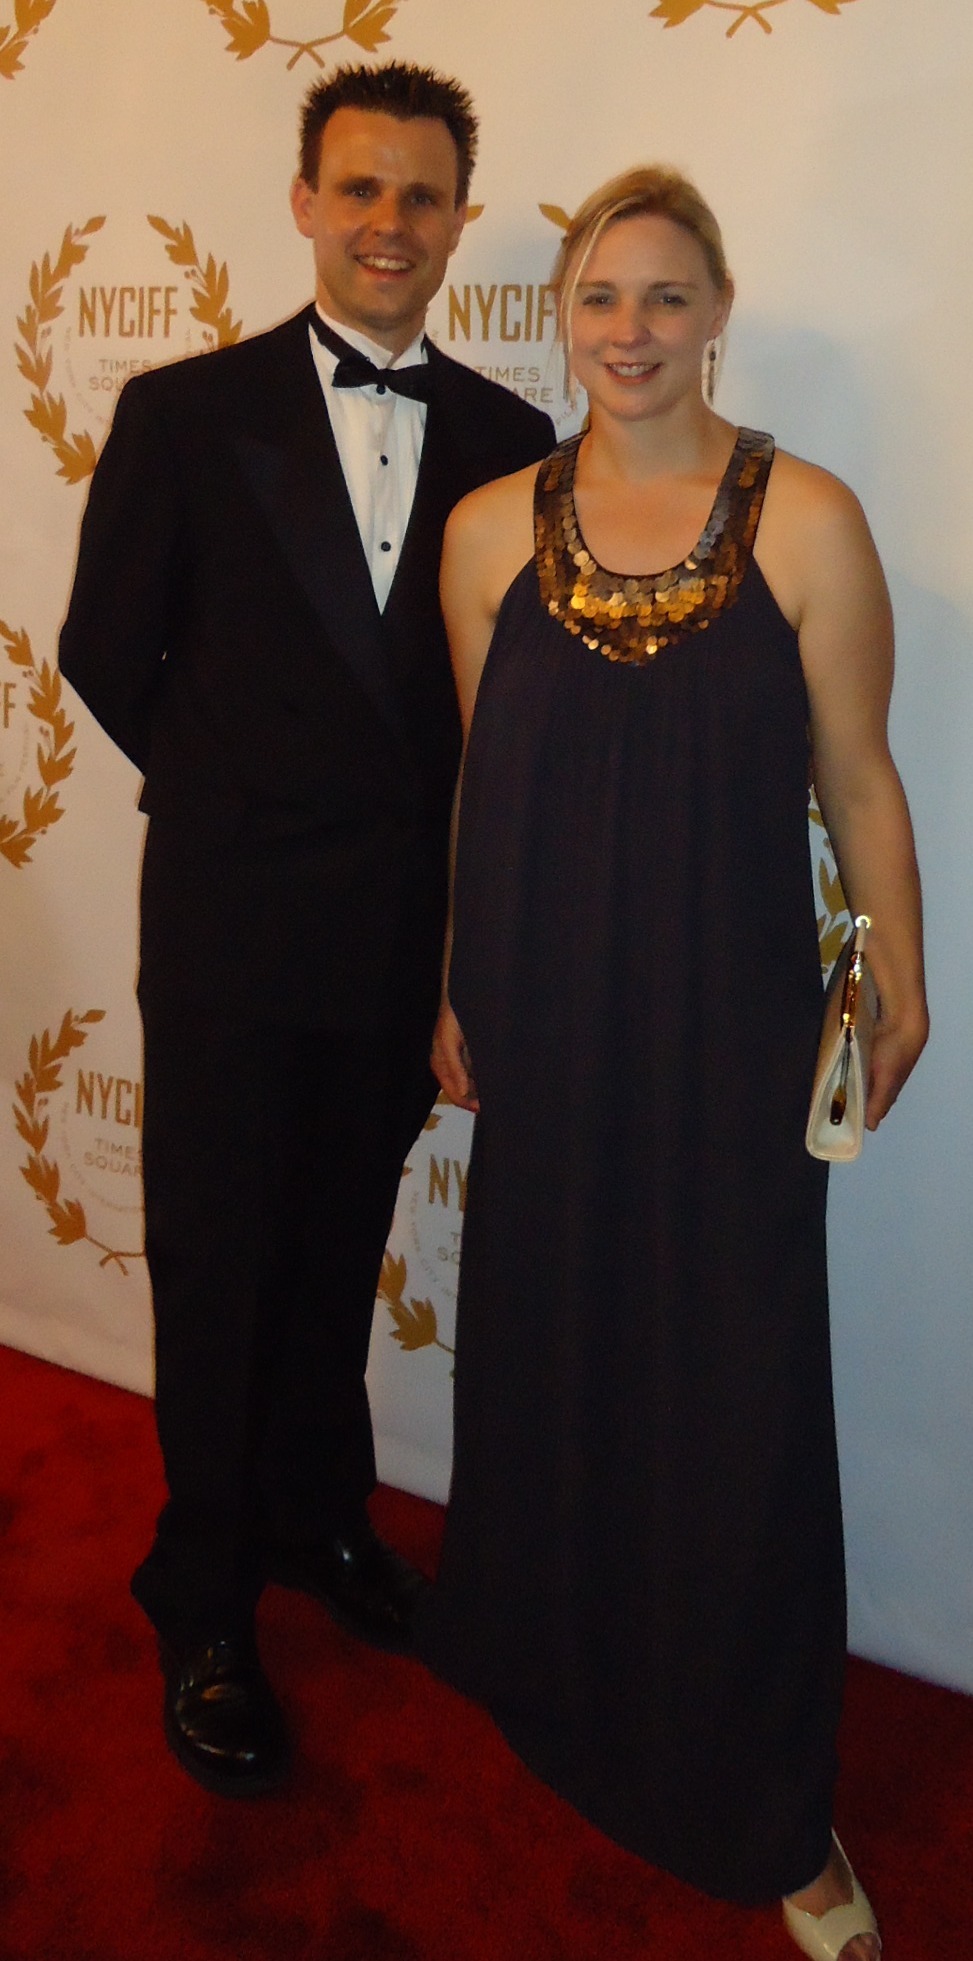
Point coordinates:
[(439, 485), (430, 509), (291, 463)]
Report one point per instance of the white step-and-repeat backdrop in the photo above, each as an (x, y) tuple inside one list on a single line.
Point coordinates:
[(147, 150)]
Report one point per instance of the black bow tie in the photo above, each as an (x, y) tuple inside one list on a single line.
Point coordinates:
[(355, 370)]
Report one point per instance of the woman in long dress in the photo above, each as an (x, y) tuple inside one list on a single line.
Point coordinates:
[(642, 1576)]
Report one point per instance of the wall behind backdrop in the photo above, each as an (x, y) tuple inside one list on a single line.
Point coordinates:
[(147, 151)]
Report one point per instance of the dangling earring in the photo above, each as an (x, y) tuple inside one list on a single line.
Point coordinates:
[(709, 379)]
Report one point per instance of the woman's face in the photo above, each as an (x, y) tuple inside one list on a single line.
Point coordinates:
[(641, 316)]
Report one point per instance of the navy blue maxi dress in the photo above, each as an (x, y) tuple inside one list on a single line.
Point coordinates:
[(642, 1576)]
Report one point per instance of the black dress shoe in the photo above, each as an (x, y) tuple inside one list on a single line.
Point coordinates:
[(222, 1720), (366, 1587)]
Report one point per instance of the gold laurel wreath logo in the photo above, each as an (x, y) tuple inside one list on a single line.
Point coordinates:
[(76, 453), (29, 15), (673, 13), (41, 806), (210, 284), (248, 28), (414, 1321), (48, 413), (41, 1081)]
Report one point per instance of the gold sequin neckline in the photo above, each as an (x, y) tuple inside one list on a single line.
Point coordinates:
[(629, 619)]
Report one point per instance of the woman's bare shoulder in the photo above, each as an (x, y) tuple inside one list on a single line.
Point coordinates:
[(494, 504), (490, 511), (799, 489), (814, 542), (489, 537)]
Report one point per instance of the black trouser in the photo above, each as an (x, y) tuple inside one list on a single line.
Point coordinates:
[(272, 1159)]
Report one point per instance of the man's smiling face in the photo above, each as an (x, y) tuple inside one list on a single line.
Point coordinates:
[(383, 220)]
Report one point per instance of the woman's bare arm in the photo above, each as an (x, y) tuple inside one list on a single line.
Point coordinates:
[(822, 563), (488, 538)]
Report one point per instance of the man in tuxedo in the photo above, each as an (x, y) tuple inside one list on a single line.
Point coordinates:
[(255, 623)]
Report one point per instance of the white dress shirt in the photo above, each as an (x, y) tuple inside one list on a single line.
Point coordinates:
[(379, 442)]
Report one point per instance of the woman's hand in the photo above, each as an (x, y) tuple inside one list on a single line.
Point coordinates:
[(898, 1044), (451, 1061)]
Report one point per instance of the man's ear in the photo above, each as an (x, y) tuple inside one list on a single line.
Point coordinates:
[(302, 206), (459, 226)]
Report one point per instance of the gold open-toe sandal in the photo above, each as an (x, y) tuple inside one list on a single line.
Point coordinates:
[(822, 1936)]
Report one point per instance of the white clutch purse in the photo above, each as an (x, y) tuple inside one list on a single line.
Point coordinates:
[(836, 1120)]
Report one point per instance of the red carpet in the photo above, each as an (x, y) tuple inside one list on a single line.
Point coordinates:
[(409, 1832)]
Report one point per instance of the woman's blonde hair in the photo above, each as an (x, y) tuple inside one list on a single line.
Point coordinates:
[(651, 190)]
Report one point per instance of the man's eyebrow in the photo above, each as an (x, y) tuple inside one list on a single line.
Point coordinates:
[(430, 190), (359, 180)]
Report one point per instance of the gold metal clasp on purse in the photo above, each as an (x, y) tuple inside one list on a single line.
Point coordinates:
[(849, 1011)]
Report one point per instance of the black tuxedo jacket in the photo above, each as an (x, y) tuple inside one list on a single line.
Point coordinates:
[(298, 748)]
